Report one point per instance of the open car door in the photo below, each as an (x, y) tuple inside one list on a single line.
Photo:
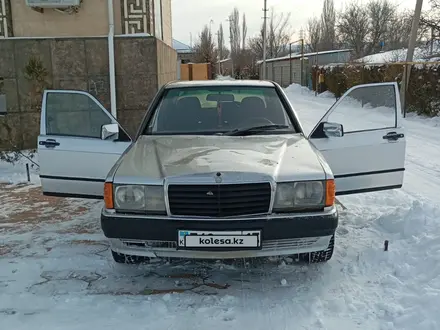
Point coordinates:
[(363, 140), (79, 142)]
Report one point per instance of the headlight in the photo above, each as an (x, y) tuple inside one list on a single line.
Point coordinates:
[(299, 195), (140, 198)]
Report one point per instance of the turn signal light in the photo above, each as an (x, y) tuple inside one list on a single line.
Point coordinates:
[(330, 192), (108, 195)]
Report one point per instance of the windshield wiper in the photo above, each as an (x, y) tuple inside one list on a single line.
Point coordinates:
[(255, 129)]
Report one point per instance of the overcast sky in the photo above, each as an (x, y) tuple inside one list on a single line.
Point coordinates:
[(189, 16)]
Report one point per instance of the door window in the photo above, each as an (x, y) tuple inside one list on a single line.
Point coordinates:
[(367, 108), (74, 114)]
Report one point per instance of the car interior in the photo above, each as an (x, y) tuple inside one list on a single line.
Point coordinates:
[(188, 114)]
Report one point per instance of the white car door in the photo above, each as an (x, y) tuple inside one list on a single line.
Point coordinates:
[(79, 142), (363, 140)]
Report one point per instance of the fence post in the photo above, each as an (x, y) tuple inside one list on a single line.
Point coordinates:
[(403, 88)]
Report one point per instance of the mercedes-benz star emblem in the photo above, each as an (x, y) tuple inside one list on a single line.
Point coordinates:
[(218, 177)]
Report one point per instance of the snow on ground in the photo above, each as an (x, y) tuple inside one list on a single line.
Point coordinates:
[(56, 271), (17, 174), (220, 77)]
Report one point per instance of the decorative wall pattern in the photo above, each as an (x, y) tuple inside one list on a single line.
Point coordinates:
[(5, 19), (135, 16)]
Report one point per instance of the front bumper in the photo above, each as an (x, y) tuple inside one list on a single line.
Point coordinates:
[(282, 234)]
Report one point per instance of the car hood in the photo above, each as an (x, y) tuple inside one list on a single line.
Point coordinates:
[(280, 157)]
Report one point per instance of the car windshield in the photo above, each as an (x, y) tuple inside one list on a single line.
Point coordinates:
[(220, 109)]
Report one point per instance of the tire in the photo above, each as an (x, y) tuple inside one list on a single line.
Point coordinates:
[(319, 256), (128, 259)]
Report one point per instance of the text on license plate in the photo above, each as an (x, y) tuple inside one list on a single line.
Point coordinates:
[(233, 239)]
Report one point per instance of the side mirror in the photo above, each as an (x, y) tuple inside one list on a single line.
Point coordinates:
[(3, 109), (109, 131), (333, 129)]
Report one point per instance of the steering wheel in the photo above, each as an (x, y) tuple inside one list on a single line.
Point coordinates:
[(257, 121)]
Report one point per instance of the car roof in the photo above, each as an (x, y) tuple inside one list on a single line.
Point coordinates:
[(213, 83)]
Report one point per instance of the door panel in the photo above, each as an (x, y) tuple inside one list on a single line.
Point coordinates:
[(74, 159), (370, 155)]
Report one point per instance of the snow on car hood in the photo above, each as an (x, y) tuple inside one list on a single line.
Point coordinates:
[(282, 157)]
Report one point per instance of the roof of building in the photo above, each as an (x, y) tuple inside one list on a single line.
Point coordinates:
[(213, 83), (421, 54), (180, 47), (296, 55)]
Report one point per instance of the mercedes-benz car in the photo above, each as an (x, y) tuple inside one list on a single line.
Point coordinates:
[(221, 169)]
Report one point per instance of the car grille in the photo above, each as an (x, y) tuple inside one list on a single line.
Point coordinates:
[(219, 200)]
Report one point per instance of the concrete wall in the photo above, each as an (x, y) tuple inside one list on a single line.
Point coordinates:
[(81, 64), (166, 63), (341, 57), (280, 72)]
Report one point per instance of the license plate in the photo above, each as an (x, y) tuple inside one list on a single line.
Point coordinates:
[(219, 239)]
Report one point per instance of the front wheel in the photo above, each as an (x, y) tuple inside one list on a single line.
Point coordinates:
[(319, 256), (128, 259)]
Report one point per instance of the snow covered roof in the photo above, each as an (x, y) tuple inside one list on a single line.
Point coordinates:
[(296, 55), (421, 54), (180, 47)]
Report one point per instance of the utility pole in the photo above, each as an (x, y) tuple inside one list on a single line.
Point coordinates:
[(302, 56), (290, 63), (317, 70), (264, 38), (410, 54), (302, 62)]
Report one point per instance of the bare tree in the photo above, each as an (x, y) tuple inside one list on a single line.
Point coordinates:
[(398, 31), (204, 48), (430, 22), (278, 36), (380, 13), (354, 27), (328, 26), (431, 19), (279, 33), (234, 30), (244, 32), (220, 41), (313, 33)]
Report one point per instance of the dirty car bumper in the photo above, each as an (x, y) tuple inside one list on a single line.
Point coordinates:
[(281, 234)]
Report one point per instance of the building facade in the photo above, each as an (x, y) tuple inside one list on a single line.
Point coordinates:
[(70, 48), (89, 19), (185, 53)]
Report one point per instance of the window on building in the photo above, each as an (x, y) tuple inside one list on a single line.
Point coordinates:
[(158, 19)]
